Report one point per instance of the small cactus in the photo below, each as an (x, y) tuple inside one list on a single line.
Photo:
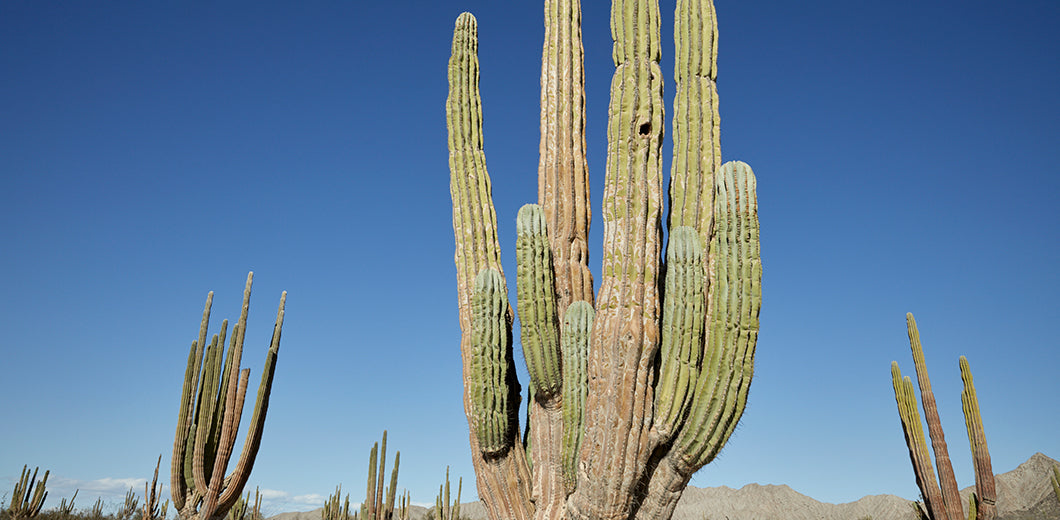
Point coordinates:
[(337, 508), (27, 499), (67, 508)]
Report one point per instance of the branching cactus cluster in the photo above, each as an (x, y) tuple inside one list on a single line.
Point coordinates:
[(635, 388), (941, 498), (152, 494), (443, 508), (27, 498), (208, 422), (376, 506)]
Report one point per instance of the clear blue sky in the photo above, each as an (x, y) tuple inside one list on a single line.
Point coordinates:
[(907, 159)]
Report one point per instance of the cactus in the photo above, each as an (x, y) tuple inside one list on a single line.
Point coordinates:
[(242, 510), (67, 508), (129, 507), (337, 508), (97, 509), (27, 498), (376, 506), (634, 388), (443, 508), (941, 498), (152, 493), (208, 422), (1055, 480)]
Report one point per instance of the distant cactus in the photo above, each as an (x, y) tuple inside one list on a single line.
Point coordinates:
[(152, 493), (942, 502), (1055, 479), (635, 388), (337, 508), (376, 506), (243, 510), (210, 409), (443, 508), (27, 498), (128, 507), (67, 508)]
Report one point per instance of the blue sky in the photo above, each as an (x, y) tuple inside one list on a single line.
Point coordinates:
[(906, 155)]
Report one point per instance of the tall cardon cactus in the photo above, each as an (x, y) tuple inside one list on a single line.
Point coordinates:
[(634, 388), (941, 498), (210, 409)]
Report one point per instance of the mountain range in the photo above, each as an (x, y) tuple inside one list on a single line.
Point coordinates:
[(1024, 493)]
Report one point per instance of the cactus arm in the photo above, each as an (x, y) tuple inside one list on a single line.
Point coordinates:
[(985, 490), (626, 325), (392, 491), (947, 481), (696, 129), (682, 331), (180, 474), (539, 329), (504, 479), (919, 456), (563, 173), (577, 326)]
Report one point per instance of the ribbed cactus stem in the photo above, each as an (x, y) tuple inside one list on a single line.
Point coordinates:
[(577, 327), (735, 301), (912, 427), (490, 340), (538, 328), (696, 128), (985, 490), (502, 473), (152, 494), (947, 481), (210, 411), (626, 327), (563, 174), (684, 314)]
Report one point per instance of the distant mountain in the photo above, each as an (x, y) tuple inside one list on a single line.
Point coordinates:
[(1022, 494)]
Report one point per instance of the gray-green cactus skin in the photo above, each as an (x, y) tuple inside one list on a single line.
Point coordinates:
[(211, 405), (536, 302), (636, 387), (376, 505)]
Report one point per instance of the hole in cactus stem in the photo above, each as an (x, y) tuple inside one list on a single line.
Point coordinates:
[(645, 129)]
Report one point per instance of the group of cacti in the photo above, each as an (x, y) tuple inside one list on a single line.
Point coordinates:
[(941, 498), (636, 387), (375, 506), (27, 498)]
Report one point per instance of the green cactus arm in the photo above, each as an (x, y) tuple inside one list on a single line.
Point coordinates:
[(577, 328), (369, 502), (489, 377), (683, 317), (696, 129), (392, 491), (536, 303), (474, 224), (626, 326), (180, 465), (563, 173), (985, 489)]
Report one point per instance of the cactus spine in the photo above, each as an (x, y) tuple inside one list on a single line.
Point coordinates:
[(210, 409), (942, 501), (637, 387), (27, 498)]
